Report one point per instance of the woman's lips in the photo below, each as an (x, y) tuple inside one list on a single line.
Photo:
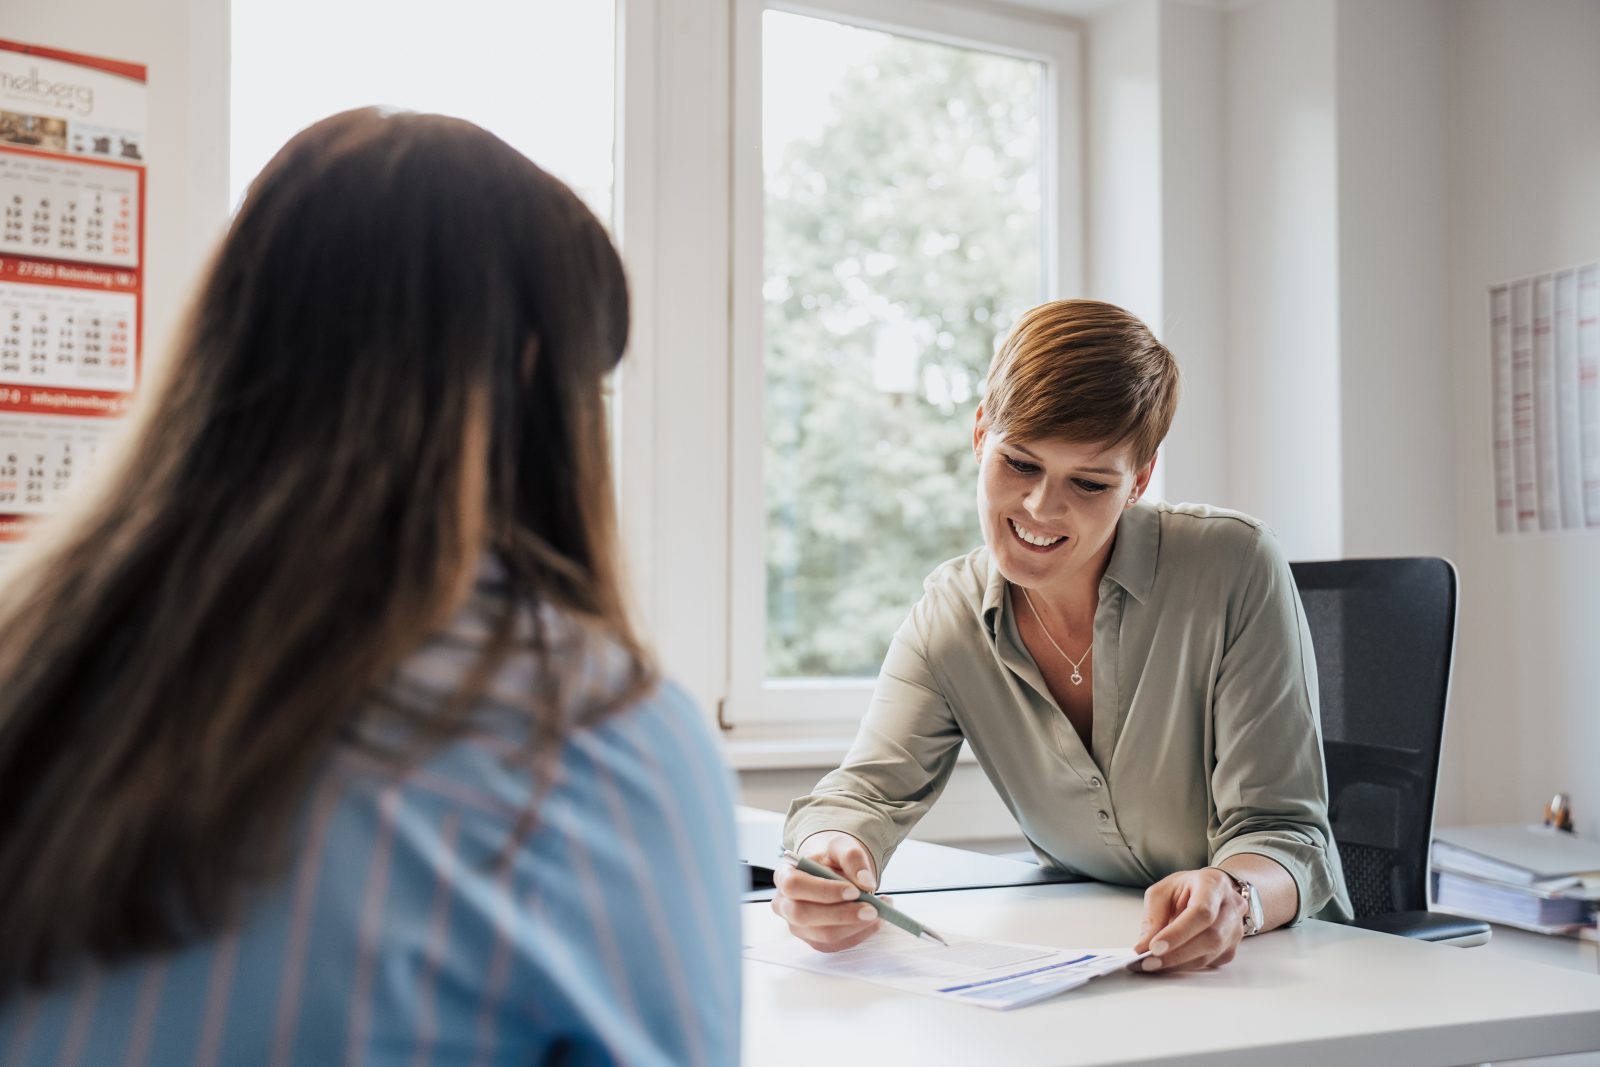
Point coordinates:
[(1016, 534)]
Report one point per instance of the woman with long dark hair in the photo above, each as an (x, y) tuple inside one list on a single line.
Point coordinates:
[(324, 735)]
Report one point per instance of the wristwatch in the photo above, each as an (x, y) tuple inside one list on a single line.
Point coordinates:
[(1254, 918)]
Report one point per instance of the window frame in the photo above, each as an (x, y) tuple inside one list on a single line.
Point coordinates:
[(671, 442), (831, 707)]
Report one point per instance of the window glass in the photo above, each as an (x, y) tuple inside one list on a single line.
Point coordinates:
[(904, 233), (540, 76)]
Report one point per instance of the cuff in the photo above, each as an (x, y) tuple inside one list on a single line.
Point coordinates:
[(1307, 864), (806, 817)]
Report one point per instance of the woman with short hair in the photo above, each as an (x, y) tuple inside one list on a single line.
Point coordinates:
[(324, 735), (1135, 679)]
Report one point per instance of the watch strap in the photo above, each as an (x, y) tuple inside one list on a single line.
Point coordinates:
[(1253, 911)]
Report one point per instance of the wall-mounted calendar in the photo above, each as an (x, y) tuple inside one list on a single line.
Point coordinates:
[(1544, 344), (72, 186)]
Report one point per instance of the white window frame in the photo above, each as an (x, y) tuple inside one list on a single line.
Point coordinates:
[(756, 706), (672, 203)]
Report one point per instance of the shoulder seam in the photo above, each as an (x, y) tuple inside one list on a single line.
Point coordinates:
[(1248, 521)]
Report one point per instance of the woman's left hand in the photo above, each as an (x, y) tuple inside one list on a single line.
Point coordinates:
[(1192, 919)]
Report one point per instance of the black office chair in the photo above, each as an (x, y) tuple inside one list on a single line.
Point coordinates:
[(1383, 631)]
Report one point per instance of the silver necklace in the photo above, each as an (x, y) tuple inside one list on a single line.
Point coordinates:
[(1077, 675)]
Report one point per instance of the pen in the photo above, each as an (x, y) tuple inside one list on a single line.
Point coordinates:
[(888, 912)]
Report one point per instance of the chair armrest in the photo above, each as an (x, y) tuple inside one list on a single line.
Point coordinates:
[(1429, 926)]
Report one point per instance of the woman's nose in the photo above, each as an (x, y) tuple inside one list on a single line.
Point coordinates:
[(1046, 502)]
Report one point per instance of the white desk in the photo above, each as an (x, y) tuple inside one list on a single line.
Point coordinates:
[(1319, 994), (1581, 954)]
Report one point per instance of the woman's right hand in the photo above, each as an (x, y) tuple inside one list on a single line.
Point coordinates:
[(825, 914)]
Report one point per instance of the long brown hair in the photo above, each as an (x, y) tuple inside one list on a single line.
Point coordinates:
[(394, 364)]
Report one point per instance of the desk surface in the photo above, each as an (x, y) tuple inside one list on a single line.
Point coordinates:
[(1318, 994)]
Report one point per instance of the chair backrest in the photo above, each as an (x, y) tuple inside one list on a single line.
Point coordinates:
[(1383, 631)]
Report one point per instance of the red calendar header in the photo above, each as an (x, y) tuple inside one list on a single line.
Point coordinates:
[(82, 402), (72, 275)]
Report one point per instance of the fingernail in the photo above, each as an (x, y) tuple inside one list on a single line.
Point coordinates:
[(1151, 964), (849, 893), (866, 911), (864, 878), (1158, 947)]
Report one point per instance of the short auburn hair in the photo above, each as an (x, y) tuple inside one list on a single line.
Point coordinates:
[(1082, 370)]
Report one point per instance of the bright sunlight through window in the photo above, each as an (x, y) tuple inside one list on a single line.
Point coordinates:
[(541, 76)]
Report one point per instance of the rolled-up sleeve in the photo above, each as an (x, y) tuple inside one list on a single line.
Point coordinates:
[(1268, 781), (899, 763)]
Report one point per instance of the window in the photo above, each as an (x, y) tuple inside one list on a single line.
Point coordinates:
[(903, 181), (540, 77), (902, 190)]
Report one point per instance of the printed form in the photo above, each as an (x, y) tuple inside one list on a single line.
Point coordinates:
[(989, 974)]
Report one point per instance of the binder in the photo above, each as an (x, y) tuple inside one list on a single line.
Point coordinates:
[(1518, 854)]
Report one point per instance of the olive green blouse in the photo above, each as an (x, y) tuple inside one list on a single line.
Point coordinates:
[(1206, 741)]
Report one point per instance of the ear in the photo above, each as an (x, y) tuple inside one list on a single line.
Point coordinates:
[(1141, 477), (979, 432)]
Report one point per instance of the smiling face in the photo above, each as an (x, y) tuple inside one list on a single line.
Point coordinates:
[(1049, 508)]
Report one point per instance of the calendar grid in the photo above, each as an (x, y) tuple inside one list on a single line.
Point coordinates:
[(42, 458), (66, 209)]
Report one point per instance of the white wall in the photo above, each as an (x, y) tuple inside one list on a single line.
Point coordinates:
[(1282, 271), (184, 43), (1292, 253), (1213, 213), (1156, 206), (1397, 410), (1122, 154), (1524, 196), (1194, 291)]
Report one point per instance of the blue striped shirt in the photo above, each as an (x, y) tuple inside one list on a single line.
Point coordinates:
[(396, 937)]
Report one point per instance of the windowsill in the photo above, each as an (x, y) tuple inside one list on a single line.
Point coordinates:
[(798, 753), (772, 753)]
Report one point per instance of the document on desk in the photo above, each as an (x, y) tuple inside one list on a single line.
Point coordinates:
[(989, 974)]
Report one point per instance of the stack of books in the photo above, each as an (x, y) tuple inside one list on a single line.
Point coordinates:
[(1528, 876)]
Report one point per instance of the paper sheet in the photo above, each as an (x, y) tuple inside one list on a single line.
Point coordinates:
[(990, 974)]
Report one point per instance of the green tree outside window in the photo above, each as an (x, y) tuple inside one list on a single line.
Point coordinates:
[(901, 242)]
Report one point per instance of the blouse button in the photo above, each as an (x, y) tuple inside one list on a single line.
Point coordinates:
[(1095, 783), (1102, 816)]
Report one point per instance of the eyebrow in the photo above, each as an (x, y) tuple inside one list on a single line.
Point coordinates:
[(1081, 470)]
